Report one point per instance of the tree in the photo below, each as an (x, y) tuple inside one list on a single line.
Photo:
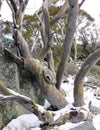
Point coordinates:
[(84, 21), (46, 77)]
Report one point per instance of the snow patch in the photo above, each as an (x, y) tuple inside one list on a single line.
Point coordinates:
[(24, 122), (30, 121), (69, 125), (96, 122)]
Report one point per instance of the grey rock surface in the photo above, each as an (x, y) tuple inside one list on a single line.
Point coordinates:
[(88, 125), (95, 110)]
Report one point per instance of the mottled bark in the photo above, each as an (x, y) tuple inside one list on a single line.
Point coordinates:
[(46, 36), (78, 83), (22, 44), (71, 26), (44, 76), (46, 80)]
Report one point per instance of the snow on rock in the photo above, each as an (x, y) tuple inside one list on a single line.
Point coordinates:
[(24, 122), (96, 122), (68, 125), (31, 122)]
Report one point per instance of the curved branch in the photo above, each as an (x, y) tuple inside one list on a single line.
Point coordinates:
[(78, 83), (13, 8), (22, 44)]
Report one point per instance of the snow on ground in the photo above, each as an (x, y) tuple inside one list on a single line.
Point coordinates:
[(96, 122), (31, 122), (24, 122)]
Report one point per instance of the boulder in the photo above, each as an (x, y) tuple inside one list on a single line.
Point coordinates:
[(88, 125)]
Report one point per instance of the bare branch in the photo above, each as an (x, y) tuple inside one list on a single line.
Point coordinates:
[(81, 3), (46, 48), (46, 17), (14, 11), (14, 6), (71, 26), (46, 33), (78, 83), (14, 57), (22, 44), (61, 13), (50, 61), (23, 4), (4, 89)]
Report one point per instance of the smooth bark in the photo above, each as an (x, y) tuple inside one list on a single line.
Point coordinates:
[(71, 26), (78, 83)]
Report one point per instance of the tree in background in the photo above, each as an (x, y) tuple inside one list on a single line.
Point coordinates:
[(47, 78)]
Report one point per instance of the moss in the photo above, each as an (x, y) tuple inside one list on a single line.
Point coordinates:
[(31, 17), (8, 113), (6, 30), (79, 89), (78, 95)]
